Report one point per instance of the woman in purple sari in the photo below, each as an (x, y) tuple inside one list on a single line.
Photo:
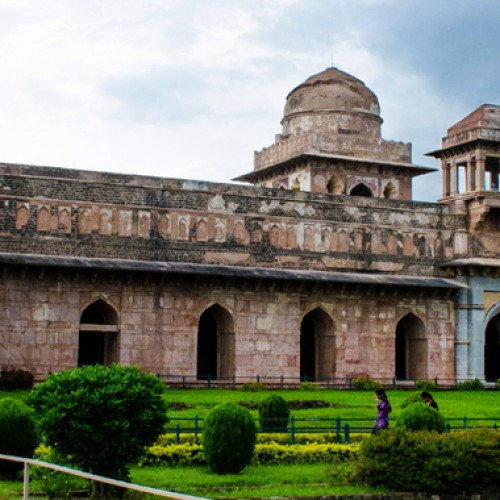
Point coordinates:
[(383, 408)]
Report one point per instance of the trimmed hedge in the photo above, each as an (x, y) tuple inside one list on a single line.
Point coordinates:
[(269, 453), (423, 461), (11, 380), (267, 438)]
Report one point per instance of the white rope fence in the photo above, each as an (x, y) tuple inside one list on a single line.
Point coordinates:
[(113, 482)]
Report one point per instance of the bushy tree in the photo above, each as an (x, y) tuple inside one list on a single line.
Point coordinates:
[(18, 435), (229, 437), (100, 417), (274, 414), (420, 417)]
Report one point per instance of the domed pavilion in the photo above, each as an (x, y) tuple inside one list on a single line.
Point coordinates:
[(331, 143)]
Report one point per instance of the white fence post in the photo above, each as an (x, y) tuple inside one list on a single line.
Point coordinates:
[(26, 481)]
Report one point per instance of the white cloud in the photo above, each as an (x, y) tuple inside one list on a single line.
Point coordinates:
[(191, 89)]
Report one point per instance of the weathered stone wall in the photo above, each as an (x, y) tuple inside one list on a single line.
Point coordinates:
[(158, 319), (63, 212)]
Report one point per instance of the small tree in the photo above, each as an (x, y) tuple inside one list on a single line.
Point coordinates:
[(229, 436), (18, 435), (101, 417), (274, 414)]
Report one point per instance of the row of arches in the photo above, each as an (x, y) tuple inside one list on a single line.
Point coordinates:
[(98, 341)]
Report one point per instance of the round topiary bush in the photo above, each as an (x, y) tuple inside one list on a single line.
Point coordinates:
[(274, 414), (18, 435), (229, 437), (420, 417)]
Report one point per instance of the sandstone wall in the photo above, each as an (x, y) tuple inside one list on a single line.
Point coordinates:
[(158, 318), (64, 212)]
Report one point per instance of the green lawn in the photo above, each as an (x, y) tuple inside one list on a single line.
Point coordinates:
[(290, 480)]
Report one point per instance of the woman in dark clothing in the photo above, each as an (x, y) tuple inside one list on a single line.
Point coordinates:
[(429, 400), (383, 409)]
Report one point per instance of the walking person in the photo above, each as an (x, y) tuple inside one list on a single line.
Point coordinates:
[(383, 410)]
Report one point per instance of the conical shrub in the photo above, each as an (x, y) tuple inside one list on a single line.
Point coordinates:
[(229, 436), (18, 435), (274, 414)]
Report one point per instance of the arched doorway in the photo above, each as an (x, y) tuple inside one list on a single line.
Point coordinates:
[(361, 190), (215, 351), (98, 336), (317, 346), (492, 349), (411, 348)]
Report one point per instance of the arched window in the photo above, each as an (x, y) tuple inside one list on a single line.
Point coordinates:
[(98, 336), (361, 190), (411, 348), (492, 349), (215, 347), (317, 346)]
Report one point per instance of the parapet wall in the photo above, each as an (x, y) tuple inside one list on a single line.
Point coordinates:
[(347, 145), (52, 211)]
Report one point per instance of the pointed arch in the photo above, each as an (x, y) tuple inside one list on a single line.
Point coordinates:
[(317, 346), (361, 189), (492, 348), (98, 334), (215, 344), (411, 348)]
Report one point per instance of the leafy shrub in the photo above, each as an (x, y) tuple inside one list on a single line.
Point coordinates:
[(174, 454), (100, 417), (414, 397), (460, 462), (309, 386), (419, 417), (52, 483), (274, 414), (305, 404), (365, 384), (253, 387), (470, 385), (277, 454), (425, 385), (18, 435), (264, 453), (11, 380), (229, 438)]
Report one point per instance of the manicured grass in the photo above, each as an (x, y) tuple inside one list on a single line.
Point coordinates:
[(253, 481), (352, 404)]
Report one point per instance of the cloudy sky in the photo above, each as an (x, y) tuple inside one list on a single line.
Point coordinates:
[(190, 88)]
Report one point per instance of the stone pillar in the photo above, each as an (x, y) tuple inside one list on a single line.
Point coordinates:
[(445, 167), (454, 178), (480, 164), (494, 180), (469, 172)]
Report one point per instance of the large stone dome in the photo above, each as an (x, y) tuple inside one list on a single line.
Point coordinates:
[(333, 102)]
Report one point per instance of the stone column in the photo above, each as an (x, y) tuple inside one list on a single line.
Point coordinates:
[(445, 167), (494, 180), (480, 164), (469, 175), (454, 178)]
